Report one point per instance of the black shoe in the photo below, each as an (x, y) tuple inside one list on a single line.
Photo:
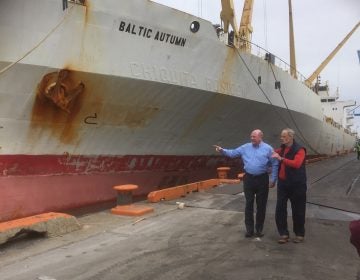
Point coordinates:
[(249, 234), (259, 234)]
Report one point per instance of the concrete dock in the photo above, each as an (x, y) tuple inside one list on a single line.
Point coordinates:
[(204, 240)]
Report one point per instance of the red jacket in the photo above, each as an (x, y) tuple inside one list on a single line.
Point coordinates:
[(295, 163)]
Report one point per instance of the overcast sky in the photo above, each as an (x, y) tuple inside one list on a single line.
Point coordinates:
[(319, 27)]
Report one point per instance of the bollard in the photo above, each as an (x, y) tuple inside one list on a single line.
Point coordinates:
[(124, 202), (124, 194), (223, 172)]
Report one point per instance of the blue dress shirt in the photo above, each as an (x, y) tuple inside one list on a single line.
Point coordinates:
[(256, 158)]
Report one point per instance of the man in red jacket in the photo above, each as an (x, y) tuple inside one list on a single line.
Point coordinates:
[(291, 186)]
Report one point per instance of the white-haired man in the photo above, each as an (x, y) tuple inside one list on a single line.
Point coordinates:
[(291, 186)]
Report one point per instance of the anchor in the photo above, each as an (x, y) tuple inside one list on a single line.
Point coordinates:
[(59, 88)]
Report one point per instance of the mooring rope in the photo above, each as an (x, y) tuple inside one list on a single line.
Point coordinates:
[(39, 43)]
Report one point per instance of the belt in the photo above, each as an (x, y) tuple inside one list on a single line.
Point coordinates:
[(255, 176)]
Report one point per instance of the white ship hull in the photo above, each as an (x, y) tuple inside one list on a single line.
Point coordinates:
[(143, 101)]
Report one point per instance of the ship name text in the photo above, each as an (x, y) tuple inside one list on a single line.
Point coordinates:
[(150, 33)]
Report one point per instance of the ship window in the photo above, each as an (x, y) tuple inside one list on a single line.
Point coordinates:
[(327, 100), (194, 26)]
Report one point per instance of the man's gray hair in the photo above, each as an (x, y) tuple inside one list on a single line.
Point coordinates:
[(290, 132)]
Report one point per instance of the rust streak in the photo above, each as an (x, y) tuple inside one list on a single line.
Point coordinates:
[(84, 59), (87, 11), (228, 69)]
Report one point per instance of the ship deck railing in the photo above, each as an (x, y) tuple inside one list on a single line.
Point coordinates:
[(279, 62), (331, 121), (262, 53)]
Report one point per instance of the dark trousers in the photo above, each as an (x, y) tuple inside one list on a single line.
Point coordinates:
[(255, 187), (358, 154), (297, 196)]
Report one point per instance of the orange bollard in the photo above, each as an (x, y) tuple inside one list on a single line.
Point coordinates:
[(223, 172), (124, 202), (124, 194)]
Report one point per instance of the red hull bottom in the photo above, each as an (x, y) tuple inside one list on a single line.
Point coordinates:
[(22, 196), (31, 185)]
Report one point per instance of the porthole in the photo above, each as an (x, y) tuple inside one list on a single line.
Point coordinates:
[(194, 26)]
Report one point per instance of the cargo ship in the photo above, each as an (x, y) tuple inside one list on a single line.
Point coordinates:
[(99, 93)]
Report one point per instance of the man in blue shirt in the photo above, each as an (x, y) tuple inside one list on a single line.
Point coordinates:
[(257, 160)]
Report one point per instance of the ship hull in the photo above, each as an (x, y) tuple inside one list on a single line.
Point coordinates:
[(124, 105), (27, 195)]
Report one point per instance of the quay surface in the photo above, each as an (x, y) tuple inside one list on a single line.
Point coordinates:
[(205, 240)]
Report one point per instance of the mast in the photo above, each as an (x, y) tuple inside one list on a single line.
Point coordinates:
[(292, 44), (331, 55), (246, 29)]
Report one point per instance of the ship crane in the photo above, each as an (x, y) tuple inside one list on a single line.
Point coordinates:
[(227, 16), (316, 73), (246, 29)]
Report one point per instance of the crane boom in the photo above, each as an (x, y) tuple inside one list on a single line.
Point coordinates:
[(246, 29), (331, 55), (227, 16)]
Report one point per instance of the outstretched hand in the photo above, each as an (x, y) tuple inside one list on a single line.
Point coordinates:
[(217, 148)]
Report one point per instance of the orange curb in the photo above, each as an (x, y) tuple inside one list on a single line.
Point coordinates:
[(131, 210), (183, 190), (228, 181), (28, 221)]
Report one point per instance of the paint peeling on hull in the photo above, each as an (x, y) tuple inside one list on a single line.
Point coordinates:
[(25, 165)]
